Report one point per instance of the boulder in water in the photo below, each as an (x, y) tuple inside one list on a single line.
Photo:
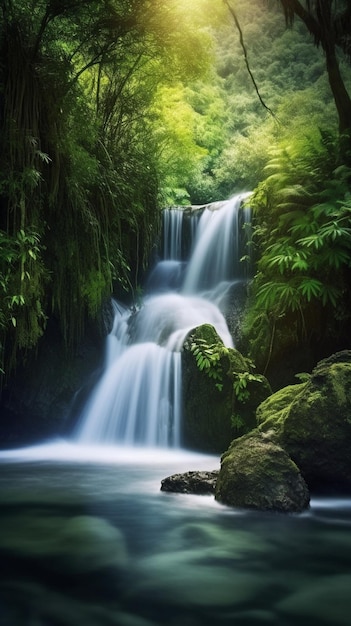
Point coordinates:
[(258, 474)]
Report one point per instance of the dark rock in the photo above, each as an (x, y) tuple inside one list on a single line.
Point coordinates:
[(258, 474), (201, 483), (42, 398)]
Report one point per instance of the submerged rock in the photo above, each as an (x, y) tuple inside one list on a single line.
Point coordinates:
[(82, 543), (258, 474), (202, 483), (326, 601)]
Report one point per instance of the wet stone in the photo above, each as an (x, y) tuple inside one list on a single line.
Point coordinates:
[(202, 483)]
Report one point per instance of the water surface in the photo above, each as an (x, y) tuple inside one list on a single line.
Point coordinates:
[(87, 538)]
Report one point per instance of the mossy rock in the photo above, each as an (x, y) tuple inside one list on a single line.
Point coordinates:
[(209, 404), (271, 412), (258, 474), (314, 426)]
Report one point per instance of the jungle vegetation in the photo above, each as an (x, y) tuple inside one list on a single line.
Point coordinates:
[(112, 109)]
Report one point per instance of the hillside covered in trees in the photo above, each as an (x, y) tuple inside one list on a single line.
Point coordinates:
[(112, 110)]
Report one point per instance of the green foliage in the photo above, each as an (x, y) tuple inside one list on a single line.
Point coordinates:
[(237, 421), (240, 384), (310, 242), (81, 165), (303, 241), (232, 127), (22, 279), (208, 359)]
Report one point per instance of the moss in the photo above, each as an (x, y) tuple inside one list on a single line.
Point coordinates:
[(340, 380), (257, 473), (209, 398), (311, 421), (237, 363), (271, 412), (207, 333)]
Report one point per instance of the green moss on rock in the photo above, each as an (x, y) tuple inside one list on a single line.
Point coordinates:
[(271, 412), (210, 402), (256, 473), (314, 426)]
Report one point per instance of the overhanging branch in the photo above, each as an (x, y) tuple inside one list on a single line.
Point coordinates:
[(242, 43)]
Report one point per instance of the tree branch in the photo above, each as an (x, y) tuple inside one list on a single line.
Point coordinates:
[(294, 7), (242, 43)]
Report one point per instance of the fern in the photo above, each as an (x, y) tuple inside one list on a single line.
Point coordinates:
[(240, 384), (207, 358)]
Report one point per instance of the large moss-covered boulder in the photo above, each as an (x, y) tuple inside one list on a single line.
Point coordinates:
[(258, 474), (213, 413), (312, 422)]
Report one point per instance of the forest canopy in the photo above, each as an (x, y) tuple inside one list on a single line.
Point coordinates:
[(112, 109)]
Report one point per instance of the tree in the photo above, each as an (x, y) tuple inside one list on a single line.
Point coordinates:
[(329, 23), (79, 180)]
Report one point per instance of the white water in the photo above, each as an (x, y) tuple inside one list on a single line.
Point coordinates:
[(138, 398), (216, 257), (172, 234)]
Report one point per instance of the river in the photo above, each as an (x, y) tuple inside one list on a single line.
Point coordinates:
[(88, 539)]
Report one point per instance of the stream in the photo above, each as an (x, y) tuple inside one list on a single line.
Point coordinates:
[(88, 539)]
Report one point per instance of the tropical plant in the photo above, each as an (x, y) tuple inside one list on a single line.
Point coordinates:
[(79, 168), (208, 359), (304, 242)]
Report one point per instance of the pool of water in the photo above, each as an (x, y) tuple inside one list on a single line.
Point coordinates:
[(88, 539)]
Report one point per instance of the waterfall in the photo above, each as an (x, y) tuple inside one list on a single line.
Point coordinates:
[(218, 246), (172, 233), (138, 398)]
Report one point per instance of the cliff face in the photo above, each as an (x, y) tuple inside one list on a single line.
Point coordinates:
[(44, 397)]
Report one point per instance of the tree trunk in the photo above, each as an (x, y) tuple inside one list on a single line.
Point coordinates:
[(341, 98), (319, 21)]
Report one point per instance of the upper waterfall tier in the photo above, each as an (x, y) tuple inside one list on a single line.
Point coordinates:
[(219, 246)]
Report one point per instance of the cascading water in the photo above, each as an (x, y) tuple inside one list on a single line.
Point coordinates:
[(172, 234), (138, 399)]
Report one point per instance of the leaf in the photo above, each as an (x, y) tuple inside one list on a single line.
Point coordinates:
[(336, 258), (299, 264), (310, 287), (330, 294), (316, 240), (43, 156)]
